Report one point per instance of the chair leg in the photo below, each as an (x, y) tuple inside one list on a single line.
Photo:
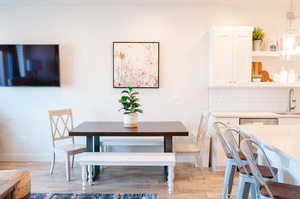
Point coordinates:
[(244, 187), (197, 161), (228, 179), (52, 163), (253, 191), (68, 167), (73, 157)]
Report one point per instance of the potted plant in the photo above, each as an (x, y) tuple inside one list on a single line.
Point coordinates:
[(257, 36), (130, 107)]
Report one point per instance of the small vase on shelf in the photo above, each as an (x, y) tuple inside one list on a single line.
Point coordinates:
[(257, 45)]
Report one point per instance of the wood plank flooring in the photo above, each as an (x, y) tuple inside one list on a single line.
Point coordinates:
[(190, 182)]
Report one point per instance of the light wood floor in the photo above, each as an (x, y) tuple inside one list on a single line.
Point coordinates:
[(190, 182)]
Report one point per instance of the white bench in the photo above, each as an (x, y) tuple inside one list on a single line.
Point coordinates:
[(89, 159), (131, 141)]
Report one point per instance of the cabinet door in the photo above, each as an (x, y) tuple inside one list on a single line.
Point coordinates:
[(221, 69), (242, 49)]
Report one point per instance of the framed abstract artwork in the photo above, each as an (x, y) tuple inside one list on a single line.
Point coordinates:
[(136, 64)]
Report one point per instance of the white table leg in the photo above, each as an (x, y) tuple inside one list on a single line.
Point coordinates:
[(84, 176), (90, 170), (170, 179)]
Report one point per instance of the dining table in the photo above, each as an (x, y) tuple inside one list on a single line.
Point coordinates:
[(94, 130)]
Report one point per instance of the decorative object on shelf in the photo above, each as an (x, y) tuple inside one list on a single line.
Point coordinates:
[(281, 76), (257, 36), (256, 68), (129, 101), (272, 45), (256, 78), (258, 74), (136, 64), (255, 73), (265, 76)]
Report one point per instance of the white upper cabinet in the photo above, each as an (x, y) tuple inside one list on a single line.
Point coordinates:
[(221, 50), (242, 57), (230, 56)]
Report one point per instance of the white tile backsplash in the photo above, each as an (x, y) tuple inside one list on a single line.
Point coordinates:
[(250, 99)]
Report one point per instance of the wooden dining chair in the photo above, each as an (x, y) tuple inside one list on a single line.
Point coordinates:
[(61, 122), (191, 145)]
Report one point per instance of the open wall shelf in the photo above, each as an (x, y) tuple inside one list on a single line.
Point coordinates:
[(266, 53), (272, 53), (260, 85)]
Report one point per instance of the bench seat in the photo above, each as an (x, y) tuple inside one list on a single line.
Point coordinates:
[(89, 159)]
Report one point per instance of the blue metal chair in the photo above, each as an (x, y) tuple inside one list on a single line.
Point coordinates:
[(231, 164), (267, 189), (246, 179)]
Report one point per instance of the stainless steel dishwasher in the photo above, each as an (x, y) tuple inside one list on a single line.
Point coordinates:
[(261, 121)]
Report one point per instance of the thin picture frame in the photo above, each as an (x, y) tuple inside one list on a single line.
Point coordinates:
[(158, 63)]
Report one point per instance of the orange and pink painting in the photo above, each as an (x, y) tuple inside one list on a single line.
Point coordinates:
[(136, 64)]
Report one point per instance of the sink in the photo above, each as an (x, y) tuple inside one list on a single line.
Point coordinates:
[(288, 113)]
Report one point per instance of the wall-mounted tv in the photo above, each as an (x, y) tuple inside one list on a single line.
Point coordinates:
[(29, 65)]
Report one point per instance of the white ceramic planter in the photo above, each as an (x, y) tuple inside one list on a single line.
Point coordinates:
[(130, 120), (257, 45)]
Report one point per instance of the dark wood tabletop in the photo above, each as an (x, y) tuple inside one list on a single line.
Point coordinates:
[(162, 128)]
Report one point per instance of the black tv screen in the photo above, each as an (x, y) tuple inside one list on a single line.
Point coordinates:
[(29, 65)]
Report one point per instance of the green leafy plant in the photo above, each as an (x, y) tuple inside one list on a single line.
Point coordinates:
[(129, 101), (258, 34)]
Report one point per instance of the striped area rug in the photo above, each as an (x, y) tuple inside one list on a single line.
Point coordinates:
[(92, 196)]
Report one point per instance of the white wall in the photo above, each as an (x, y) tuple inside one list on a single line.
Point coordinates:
[(86, 33)]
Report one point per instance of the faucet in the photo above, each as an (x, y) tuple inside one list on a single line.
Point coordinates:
[(292, 100)]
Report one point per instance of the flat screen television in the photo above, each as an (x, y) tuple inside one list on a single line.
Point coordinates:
[(29, 65)]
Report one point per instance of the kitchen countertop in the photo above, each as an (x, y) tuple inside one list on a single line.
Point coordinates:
[(251, 115), (283, 137)]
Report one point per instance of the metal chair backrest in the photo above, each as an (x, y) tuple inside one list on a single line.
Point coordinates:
[(220, 127), (247, 147), (228, 141), (61, 123), (233, 145)]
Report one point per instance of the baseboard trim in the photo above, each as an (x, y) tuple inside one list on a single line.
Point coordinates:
[(24, 157)]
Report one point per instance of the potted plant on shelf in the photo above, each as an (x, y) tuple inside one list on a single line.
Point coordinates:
[(130, 107), (257, 36)]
